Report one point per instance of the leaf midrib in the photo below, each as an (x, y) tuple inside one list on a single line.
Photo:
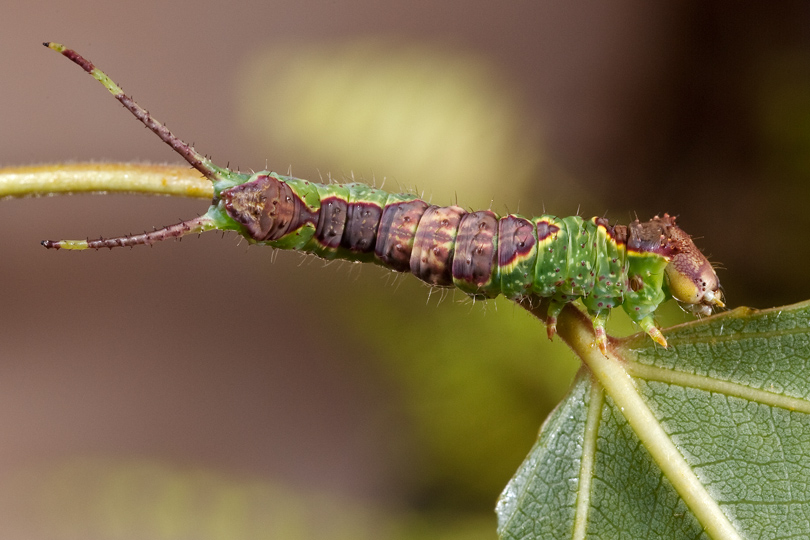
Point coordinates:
[(620, 386), (588, 460), (709, 384)]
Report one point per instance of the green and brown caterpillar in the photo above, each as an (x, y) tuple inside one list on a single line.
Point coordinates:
[(636, 267)]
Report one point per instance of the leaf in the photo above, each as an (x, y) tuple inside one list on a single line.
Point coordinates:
[(709, 438)]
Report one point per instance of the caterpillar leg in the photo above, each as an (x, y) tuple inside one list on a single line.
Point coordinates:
[(554, 310), (648, 325), (599, 319)]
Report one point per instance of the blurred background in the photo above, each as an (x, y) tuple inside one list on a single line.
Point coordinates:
[(205, 390)]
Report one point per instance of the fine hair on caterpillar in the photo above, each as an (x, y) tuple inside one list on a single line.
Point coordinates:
[(637, 266)]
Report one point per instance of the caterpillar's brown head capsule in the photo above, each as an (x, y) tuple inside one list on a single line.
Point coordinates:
[(691, 278)]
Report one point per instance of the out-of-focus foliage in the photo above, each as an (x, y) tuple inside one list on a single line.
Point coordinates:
[(95, 499), (475, 383), (420, 116)]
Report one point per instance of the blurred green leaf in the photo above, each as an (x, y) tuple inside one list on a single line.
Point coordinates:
[(422, 114), (474, 382), (709, 438)]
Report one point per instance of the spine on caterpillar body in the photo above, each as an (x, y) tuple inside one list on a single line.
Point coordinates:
[(563, 259)]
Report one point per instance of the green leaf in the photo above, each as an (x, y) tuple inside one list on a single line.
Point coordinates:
[(709, 438)]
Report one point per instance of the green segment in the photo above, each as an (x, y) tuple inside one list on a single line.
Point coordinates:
[(552, 258), (581, 255), (228, 179), (610, 272), (646, 270)]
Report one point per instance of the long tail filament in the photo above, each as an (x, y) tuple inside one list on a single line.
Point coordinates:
[(197, 225)]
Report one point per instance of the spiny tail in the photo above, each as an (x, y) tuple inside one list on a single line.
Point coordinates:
[(197, 160), (221, 178), (198, 225)]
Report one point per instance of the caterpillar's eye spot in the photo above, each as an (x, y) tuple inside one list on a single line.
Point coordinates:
[(521, 244), (445, 222), (406, 219), (289, 199)]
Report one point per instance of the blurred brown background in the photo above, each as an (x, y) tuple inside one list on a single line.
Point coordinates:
[(205, 390)]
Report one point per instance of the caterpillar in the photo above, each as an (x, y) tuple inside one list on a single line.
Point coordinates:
[(637, 266)]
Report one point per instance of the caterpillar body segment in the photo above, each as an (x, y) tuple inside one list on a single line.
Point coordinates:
[(566, 259)]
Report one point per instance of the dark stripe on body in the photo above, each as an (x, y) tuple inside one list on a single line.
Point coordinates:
[(475, 250), (515, 239), (395, 235), (362, 221), (433, 244), (545, 229), (331, 222)]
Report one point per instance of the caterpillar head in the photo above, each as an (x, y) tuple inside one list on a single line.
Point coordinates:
[(692, 280)]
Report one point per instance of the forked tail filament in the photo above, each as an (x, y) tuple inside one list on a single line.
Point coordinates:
[(197, 225)]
